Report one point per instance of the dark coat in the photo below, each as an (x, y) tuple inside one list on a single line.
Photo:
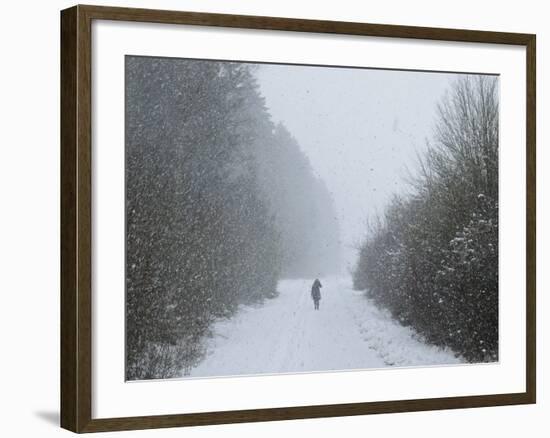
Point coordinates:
[(316, 290)]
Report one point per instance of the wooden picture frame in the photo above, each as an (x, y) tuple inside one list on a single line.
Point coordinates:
[(76, 218)]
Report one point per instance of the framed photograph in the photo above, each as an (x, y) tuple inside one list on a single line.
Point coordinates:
[(270, 218)]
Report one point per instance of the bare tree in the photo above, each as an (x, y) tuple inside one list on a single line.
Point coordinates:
[(434, 260)]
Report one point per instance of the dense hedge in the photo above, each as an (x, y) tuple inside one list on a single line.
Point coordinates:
[(207, 205), (432, 259)]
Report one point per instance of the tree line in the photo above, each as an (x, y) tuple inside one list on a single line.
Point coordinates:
[(213, 187), (432, 257)]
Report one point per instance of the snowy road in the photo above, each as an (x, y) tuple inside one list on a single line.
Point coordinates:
[(286, 335)]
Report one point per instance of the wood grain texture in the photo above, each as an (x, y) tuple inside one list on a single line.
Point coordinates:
[(76, 217), (531, 213), (69, 327)]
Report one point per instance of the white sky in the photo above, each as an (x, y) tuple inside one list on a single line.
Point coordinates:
[(360, 129)]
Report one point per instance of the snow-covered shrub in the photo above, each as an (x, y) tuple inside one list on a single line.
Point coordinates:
[(432, 259)]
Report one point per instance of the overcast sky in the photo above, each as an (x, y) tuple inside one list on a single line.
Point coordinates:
[(360, 129)]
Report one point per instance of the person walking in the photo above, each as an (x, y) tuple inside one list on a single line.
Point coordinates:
[(316, 293)]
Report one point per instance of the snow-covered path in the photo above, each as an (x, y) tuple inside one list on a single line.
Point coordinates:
[(286, 335)]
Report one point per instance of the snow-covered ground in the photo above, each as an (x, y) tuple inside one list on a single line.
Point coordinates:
[(286, 335)]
